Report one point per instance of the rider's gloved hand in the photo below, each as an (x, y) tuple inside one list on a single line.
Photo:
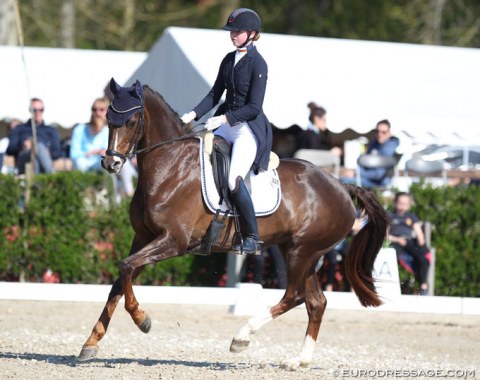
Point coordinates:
[(188, 117), (215, 122)]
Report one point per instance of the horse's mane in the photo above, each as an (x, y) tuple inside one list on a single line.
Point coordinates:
[(164, 102)]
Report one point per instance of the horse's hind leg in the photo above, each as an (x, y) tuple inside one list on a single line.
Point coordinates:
[(90, 348), (293, 297), (315, 303)]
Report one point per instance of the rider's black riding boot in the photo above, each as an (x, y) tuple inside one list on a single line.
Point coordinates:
[(244, 206)]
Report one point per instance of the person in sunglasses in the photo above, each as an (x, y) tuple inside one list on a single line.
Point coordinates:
[(89, 143), (384, 144), (48, 146), (89, 140)]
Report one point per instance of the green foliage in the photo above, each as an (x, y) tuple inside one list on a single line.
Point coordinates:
[(454, 212), (137, 24), (72, 226), (10, 195)]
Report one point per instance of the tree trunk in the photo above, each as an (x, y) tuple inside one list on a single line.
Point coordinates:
[(67, 28), (128, 24), (8, 32), (436, 21)]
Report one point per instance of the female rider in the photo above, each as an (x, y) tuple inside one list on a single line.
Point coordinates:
[(240, 119)]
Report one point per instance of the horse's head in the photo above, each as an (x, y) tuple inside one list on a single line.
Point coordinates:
[(125, 122)]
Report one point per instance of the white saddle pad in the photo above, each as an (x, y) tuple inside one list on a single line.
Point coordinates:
[(264, 188)]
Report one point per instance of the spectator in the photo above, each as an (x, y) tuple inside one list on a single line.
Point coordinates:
[(406, 235), (48, 142), (340, 250), (384, 145), (4, 143), (90, 141), (317, 135), (278, 261)]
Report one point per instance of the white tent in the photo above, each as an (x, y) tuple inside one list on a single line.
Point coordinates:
[(67, 80), (422, 90)]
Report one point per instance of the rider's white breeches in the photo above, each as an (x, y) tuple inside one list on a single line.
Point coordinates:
[(244, 149)]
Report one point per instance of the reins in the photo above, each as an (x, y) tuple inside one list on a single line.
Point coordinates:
[(138, 130), (149, 148)]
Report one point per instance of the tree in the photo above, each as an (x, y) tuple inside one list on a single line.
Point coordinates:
[(67, 27), (8, 29), (137, 24)]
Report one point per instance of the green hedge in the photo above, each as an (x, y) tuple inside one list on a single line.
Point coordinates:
[(73, 226), (455, 215)]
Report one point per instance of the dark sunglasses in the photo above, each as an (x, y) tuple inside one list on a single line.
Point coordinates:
[(36, 110)]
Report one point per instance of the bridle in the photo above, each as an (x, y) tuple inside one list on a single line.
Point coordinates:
[(138, 133)]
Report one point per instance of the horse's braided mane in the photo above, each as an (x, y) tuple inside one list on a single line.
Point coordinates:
[(162, 99)]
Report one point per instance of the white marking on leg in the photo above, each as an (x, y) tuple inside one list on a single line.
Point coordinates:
[(253, 325), (306, 354), (304, 358)]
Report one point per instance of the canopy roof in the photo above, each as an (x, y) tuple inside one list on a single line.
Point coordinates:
[(429, 93), (421, 89), (67, 80)]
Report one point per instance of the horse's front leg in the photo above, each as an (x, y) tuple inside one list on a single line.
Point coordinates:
[(90, 347), (160, 249)]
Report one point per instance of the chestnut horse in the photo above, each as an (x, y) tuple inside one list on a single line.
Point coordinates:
[(169, 218)]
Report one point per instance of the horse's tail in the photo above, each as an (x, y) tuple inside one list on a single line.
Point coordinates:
[(365, 245)]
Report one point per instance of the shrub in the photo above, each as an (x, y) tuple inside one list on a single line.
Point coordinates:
[(72, 225), (454, 213)]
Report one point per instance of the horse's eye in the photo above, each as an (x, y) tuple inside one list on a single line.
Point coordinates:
[(131, 123)]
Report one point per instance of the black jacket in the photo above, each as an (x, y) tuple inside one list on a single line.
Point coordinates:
[(245, 84), (45, 134), (314, 140)]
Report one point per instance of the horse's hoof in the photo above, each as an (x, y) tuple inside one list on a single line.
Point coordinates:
[(239, 345), (294, 364), (290, 365), (87, 353), (146, 325)]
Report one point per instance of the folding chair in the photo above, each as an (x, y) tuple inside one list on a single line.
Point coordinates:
[(376, 161)]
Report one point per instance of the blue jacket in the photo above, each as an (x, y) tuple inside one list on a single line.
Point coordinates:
[(245, 87), (45, 134), (377, 176)]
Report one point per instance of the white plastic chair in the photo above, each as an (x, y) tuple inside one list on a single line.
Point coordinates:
[(320, 158)]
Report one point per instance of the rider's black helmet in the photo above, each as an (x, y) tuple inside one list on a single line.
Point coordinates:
[(243, 19)]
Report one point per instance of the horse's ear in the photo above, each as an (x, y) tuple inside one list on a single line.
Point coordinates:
[(139, 89), (114, 87)]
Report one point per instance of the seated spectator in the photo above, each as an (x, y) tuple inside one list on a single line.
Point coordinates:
[(384, 145), (406, 235), (340, 250), (48, 142), (90, 141), (317, 135), (4, 143)]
